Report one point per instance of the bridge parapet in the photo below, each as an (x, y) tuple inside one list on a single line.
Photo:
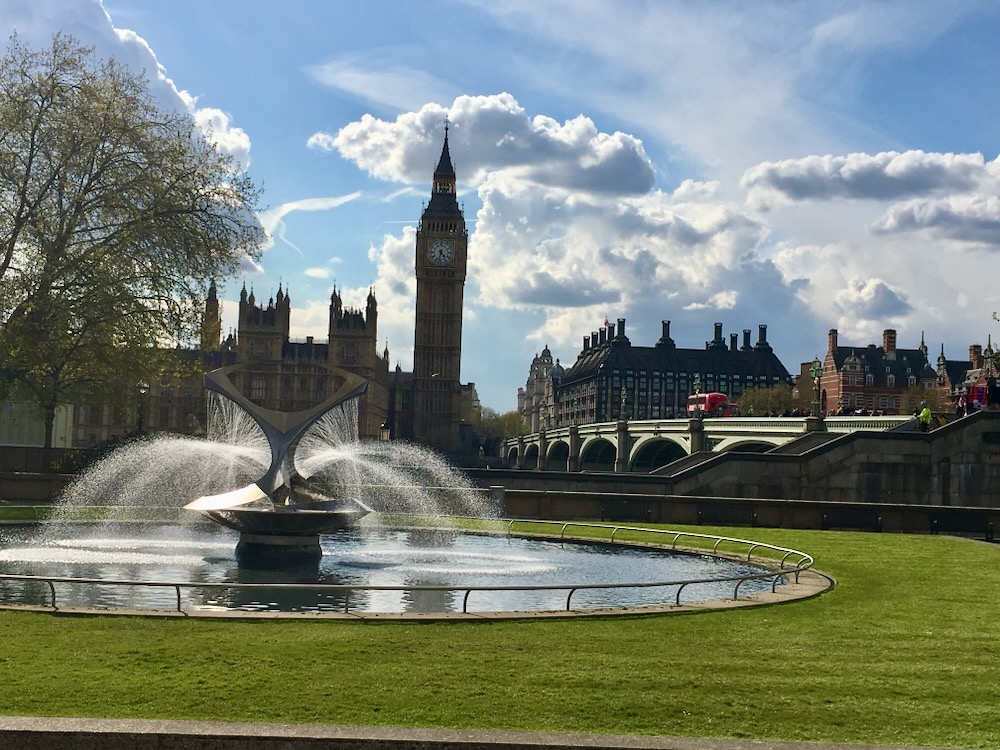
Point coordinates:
[(720, 434)]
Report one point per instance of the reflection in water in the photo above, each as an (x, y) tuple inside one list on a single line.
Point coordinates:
[(370, 556)]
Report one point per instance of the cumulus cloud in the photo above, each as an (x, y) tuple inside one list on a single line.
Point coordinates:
[(643, 257), (889, 175), (871, 299), (215, 124), (969, 219), (492, 134)]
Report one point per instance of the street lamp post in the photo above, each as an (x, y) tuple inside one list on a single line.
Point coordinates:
[(624, 400), (143, 388), (815, 370), (384, 433), (696, 385)]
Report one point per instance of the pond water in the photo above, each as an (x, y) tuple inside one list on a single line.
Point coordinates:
[(370, 556)]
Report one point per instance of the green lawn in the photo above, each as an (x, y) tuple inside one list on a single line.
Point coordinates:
[(905, 650)]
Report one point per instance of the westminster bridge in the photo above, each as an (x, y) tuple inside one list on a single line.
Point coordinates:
[(647, 445)]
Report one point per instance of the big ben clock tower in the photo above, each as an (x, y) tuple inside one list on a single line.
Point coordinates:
[(441, 260)]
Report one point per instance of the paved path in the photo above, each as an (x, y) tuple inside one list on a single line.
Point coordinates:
[(29, 733)]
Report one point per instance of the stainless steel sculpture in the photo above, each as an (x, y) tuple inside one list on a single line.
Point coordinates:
[(289, 526)]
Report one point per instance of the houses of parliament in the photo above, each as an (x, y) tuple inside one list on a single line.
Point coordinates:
[(429, 405)]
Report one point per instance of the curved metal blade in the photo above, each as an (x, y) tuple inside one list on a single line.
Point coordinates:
[(243, 496)]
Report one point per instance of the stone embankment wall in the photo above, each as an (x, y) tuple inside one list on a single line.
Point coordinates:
[(958, 464)]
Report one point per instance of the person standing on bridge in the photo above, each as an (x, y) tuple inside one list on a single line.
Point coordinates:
[(924, 416)]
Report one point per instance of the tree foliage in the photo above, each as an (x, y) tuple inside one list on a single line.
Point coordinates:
[(115, 214), (762, 401), (911, 400), (494, 427)]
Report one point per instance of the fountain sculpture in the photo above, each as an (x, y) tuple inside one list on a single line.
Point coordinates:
[(281, 479), (297, 513)]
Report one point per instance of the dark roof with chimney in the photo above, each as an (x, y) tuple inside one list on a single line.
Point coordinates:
[(880, 365), (617, 352)]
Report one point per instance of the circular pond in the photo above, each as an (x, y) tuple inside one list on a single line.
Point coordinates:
[(374, 570)]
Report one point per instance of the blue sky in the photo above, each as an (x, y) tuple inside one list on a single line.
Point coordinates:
[(804, 166)]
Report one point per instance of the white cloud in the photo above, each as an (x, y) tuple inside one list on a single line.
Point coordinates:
[(492, 134), (379, 80), (215, 124), (273, 219), (884, 176), (871, 299), (968, 219)]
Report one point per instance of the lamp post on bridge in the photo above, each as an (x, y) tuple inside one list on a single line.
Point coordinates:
[(815, 370)]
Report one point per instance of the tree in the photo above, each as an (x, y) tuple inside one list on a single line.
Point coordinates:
[(762, 401), (911, 399), (494, 427), (115, 215)]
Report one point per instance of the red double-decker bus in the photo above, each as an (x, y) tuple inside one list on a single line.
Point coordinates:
[(711, 405)]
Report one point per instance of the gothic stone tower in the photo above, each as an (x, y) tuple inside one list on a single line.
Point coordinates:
[(263, 332), (353, 347), (441, 260), (211, 321)]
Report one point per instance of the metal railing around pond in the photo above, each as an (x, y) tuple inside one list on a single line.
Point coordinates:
[(786, 564)]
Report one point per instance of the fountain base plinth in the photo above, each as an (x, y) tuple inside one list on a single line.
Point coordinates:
[(286, 535), (277, 550)]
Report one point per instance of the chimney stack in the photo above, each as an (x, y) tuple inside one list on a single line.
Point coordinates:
[(732, 342), (746, 340), (976, 356), (621, 327), (889, 342), (832, 340)]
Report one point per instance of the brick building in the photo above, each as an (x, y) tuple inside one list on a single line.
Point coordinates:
[(871, 378)]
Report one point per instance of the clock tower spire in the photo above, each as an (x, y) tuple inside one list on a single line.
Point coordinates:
[(440, 266)]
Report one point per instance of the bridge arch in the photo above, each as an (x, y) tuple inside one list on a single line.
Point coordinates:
[(558, 457), (651, 453), (531, 456), (745, 444), (748, 446), (598, 455), (512, 457)]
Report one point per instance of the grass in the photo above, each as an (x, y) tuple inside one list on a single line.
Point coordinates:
[(904, 651)]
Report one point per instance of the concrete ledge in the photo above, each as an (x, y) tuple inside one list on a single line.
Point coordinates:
[(30, 733)]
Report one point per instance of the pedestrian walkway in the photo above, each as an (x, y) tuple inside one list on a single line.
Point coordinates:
[(30, 733)]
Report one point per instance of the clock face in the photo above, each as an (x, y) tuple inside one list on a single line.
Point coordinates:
[(441, 252)]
